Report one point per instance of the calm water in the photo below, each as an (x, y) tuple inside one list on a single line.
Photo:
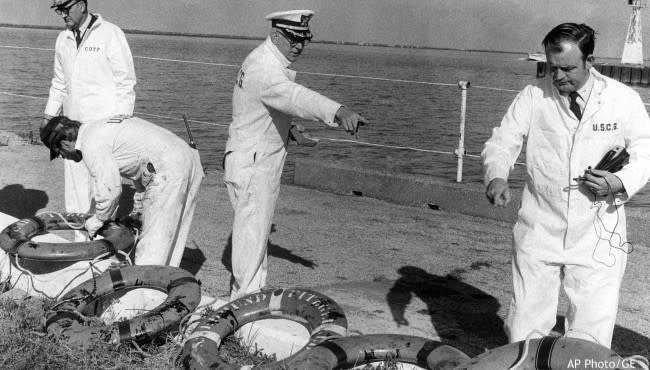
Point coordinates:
[(401, 113)]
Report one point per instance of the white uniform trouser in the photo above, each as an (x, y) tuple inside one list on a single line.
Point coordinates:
[(592, 289), (168, 208), (253, 181), (78, 191)]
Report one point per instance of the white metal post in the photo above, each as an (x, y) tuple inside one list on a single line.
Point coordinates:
[(460, 152)]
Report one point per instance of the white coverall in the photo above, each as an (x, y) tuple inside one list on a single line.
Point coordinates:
[(265, 98), (91, 83), (562, 228), (166, 166)]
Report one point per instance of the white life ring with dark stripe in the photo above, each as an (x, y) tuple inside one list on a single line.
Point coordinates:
[(15, 239), (349, 352), (184, 295), (551, 352), (320, 315)]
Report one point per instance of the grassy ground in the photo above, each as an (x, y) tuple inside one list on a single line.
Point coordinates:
[(24, 345)]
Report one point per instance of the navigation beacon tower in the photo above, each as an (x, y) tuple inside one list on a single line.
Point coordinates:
[(633, 49)]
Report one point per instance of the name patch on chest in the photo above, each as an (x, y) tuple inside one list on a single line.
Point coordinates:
[(92, 49), (604, 126)]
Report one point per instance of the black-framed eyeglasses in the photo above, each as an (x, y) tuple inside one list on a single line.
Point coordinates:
[(65, 9)]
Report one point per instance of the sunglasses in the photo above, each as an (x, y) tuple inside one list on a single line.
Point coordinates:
[(65, 9), (293, 41)]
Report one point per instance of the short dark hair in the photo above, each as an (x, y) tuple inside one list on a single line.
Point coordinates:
[(583, 35), (58, 129)]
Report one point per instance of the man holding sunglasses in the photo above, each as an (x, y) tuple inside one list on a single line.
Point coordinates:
[(265, 98), (93, 81)]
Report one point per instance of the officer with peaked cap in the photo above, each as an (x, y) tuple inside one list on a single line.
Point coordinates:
[(265, 98), (93, 81)]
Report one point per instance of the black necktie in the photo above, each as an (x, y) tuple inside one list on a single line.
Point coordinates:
[(77, 37), (573, 105)]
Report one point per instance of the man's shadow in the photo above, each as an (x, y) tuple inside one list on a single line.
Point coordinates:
[(273, 250), (193, 259), (462, 315), (21, 203)]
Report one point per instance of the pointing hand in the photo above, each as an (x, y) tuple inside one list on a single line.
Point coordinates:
[(350, 120)]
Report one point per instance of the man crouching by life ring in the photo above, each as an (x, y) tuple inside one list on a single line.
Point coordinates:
[(165, 170)]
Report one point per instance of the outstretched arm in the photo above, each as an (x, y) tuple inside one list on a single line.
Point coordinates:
[(284, 95)]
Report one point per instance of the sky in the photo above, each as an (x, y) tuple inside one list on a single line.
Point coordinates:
[(502, 25)]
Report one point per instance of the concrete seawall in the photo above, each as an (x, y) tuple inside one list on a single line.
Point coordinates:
[(428, 192)]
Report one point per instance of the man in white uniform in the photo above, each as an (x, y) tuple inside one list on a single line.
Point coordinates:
[(160, 163), (93, 81), (265, 98), (571, 228)]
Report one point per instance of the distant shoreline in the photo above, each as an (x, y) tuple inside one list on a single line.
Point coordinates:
[(235, 37)]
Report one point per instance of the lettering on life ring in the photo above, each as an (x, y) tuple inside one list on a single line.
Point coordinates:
[(320, 315)]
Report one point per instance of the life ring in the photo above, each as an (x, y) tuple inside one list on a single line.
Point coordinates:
[(184, 295), (349, 352), (15, 238), (551, 352), (322, 317)]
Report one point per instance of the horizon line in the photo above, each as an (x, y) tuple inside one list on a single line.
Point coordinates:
[(239, 37)]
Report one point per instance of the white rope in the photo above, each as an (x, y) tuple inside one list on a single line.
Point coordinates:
[(593, 338), (22, 96), (31, 279), (303, 72), (323, 138), (91, 265), (379, 79), (142, 113), (24, 47), (180, 119), (494, 88), (65, 221), (404, 81), (188, 61), (524, 355), (382, 145), (474, 156)]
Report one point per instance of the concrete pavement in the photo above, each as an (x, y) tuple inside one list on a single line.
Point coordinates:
[(393, 269)]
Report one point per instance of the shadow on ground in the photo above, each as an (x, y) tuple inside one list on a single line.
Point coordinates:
[(193, 259), (462, 315), (19, 202), (273, 250)]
